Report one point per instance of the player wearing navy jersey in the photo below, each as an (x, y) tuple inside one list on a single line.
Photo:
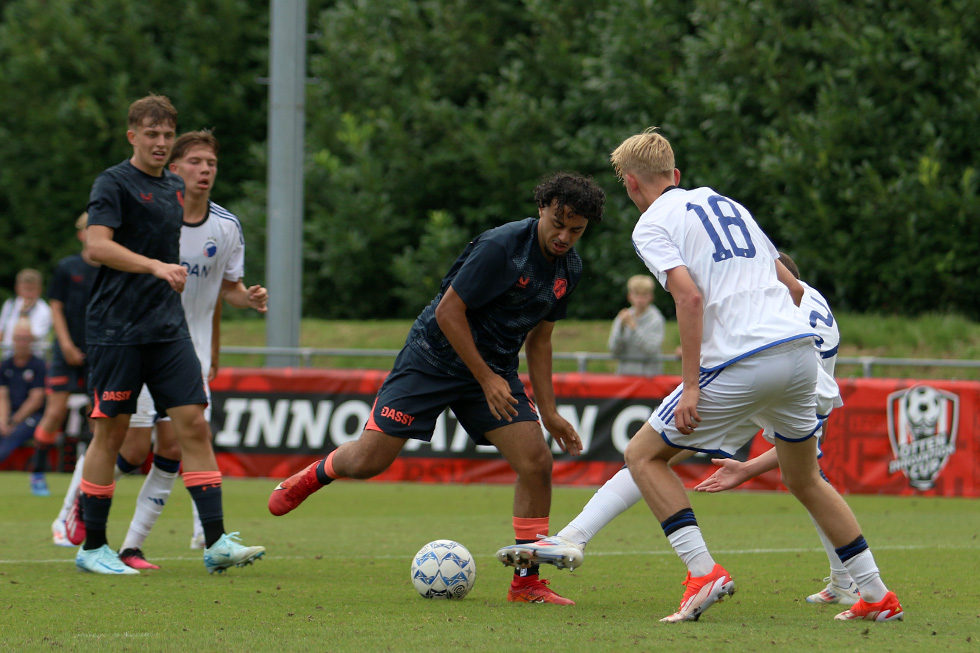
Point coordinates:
[(68, 296), (745, 356), (506, 290), (212, 249), (137, 334), (21, 390)]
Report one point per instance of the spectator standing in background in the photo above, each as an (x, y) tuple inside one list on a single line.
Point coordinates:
[(26, 303), (638, 331)]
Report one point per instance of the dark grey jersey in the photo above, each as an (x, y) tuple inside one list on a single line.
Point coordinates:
[(146, 214)]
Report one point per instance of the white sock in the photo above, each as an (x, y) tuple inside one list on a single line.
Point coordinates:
[(865, 573), (117, 473), (149, 504), (72, 493), (198, 529), (615, 497), (837, 569), (690, 546)]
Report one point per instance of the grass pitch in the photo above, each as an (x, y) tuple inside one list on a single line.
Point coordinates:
[(336, 577)]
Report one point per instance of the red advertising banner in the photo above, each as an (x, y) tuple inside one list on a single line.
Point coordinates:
[(892, 436)]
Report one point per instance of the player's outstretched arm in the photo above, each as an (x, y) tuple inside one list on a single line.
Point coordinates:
[(733, 473), (538, 349), (236, 294)]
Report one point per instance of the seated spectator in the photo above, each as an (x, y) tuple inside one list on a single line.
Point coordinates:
[(21, 391), (638, 331), (26, 303)]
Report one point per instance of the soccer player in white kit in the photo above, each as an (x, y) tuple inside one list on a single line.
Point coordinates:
[(212, 248), (745, 356), (566, 549)]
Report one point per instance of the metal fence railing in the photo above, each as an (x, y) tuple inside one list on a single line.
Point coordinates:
[(304, 357)]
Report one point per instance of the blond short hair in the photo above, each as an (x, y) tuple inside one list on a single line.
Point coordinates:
[(640, 283), (29, 275), (82, 221), (647, 154)]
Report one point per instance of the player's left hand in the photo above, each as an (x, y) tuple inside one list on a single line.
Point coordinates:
[(564, 434), (258, 298), (213, 372)]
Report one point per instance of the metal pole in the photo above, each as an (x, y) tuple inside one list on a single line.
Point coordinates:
[(284, 220)]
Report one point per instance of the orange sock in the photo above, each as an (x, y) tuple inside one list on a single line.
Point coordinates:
[(328, 465), (197, 479), (99, 491), (45, 437), (530, 529)]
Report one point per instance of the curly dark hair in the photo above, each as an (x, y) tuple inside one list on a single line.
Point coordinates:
[(579, 193)]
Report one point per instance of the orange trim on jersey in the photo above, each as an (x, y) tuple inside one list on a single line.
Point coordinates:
[(96, 411), (197, 479), (98, 491), (530, 528), (45, 437)]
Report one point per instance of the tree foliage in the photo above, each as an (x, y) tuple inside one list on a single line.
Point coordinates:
[(848, 128), (68, 72)]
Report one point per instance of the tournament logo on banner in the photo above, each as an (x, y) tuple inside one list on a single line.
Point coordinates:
[(922, 426)]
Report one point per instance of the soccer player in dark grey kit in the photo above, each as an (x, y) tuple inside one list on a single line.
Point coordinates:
[(137, 334), (510, 284)]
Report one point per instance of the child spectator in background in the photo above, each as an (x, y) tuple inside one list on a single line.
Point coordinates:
[(638, 331)]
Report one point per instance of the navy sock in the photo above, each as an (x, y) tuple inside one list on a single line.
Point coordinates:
[(95, 514), (848, 551), (679, 520), (126, 466), (321, 474), (207, 498), (40, 459), (166, 464)]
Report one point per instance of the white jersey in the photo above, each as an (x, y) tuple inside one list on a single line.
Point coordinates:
[(816, 312), (731, 260), (212, 251)]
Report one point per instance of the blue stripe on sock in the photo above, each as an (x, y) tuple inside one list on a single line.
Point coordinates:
[(679, 520), (848, 551)]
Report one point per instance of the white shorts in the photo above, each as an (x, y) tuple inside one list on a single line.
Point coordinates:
[(828, 398), (146, 413), (774, 389)]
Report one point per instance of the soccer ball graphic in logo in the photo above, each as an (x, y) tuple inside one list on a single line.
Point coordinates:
[(443, 569), (923, 408)]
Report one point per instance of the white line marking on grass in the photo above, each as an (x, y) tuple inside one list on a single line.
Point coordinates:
[(666, 551)]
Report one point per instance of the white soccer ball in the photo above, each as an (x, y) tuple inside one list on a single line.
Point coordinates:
[(443, 569)]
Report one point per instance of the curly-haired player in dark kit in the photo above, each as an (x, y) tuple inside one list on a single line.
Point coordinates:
[(510, 285)]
